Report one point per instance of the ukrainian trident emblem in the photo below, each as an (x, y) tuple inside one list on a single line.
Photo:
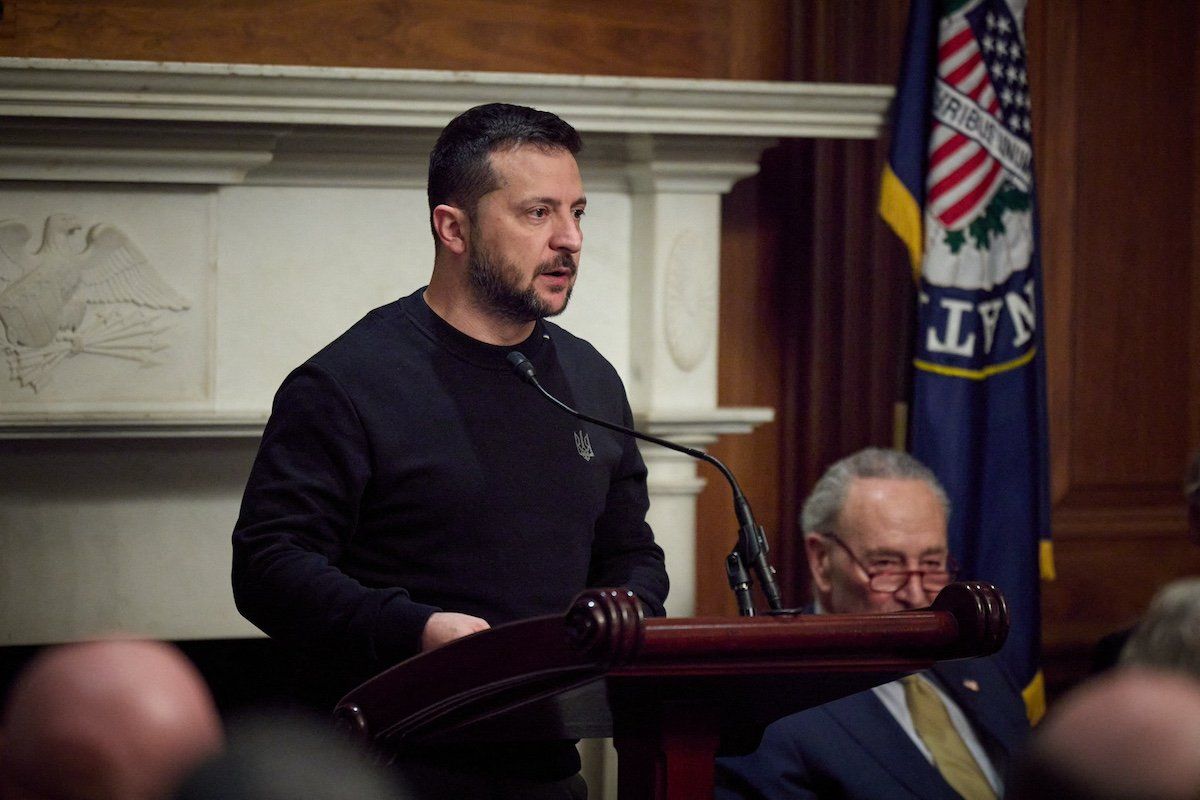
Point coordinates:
[(584, 445)]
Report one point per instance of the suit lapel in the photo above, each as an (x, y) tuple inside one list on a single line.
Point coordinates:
[(981, 692), (867, 721)]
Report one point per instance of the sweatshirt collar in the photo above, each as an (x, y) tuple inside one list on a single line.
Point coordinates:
[(481, 354)]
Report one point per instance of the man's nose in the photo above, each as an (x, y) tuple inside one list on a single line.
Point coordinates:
[(568, 235), (912, 594)]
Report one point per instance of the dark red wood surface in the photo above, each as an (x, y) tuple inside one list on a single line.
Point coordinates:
[(671, 692)]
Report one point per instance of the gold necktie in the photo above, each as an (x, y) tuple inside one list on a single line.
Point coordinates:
[(950, 753)]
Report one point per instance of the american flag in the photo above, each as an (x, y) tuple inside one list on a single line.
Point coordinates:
[(980, 56)]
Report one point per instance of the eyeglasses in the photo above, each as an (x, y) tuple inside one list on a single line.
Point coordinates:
[(893, 580)]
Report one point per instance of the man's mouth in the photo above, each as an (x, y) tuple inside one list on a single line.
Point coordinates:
[(563, 268)]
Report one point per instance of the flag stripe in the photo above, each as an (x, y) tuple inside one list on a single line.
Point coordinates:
[(952, 182), (972, 64), (955, 43), (949, 156), (972, 200)]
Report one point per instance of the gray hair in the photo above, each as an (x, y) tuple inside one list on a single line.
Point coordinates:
[(1168, 637), (824, 504), (1191, 481)]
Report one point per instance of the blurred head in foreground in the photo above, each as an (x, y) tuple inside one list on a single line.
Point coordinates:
[(119, 719), (1130, 734), (288, 756), (1168, 636)]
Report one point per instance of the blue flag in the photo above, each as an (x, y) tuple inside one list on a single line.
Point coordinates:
[(959, 191)]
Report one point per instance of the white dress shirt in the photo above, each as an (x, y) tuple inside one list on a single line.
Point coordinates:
[(892, 697)]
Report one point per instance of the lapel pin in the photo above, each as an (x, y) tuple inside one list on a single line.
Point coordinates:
[(971, 684)]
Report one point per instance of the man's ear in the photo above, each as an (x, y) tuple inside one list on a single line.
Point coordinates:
[(819, 553), (452, 227)]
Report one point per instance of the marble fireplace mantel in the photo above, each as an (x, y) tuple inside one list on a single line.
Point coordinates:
[(266, 208), (668, 148), (399, 99)]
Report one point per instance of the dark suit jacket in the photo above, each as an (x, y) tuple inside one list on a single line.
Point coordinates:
[(854, 748)]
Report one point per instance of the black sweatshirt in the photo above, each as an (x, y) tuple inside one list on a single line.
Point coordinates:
[(406, 469)]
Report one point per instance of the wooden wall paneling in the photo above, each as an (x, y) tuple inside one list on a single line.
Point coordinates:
[(1052, 31), (1104, 586), (795, 278), (1194, 318), (834, 318), (798, 365), (760, 38), (854, 294), (1052, 44), (677, 38), (1129, 318), (749, 375), (1119, 238), (1133, 250)]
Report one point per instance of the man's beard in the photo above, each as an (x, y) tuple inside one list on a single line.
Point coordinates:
[(496, 285)]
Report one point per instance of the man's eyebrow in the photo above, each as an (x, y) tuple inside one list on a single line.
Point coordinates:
[(883, 551), (554, 202), (931, 551)]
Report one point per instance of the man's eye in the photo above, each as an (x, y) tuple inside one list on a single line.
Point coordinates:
[(539, 213), (886, 566), (579, 212)]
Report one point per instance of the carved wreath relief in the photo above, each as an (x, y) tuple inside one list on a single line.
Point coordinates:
[(62, 297)]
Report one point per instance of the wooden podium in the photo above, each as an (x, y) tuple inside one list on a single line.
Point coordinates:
[(670, 692)]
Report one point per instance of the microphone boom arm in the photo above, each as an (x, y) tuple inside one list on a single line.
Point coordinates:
[(751, 547)]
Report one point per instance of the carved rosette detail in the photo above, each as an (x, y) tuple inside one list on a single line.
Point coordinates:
[(690, 300)]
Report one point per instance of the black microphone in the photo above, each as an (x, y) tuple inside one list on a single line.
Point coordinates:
[(751, 547)]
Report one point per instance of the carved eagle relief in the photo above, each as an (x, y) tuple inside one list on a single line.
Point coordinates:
[(45, 292)]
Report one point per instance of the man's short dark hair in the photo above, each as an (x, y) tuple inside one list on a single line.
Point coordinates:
[(460, 170)]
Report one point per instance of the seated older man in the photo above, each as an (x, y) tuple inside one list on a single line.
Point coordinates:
[(875, 536)]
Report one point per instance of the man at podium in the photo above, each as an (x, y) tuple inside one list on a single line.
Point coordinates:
[(875, 536), (410, 489)]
